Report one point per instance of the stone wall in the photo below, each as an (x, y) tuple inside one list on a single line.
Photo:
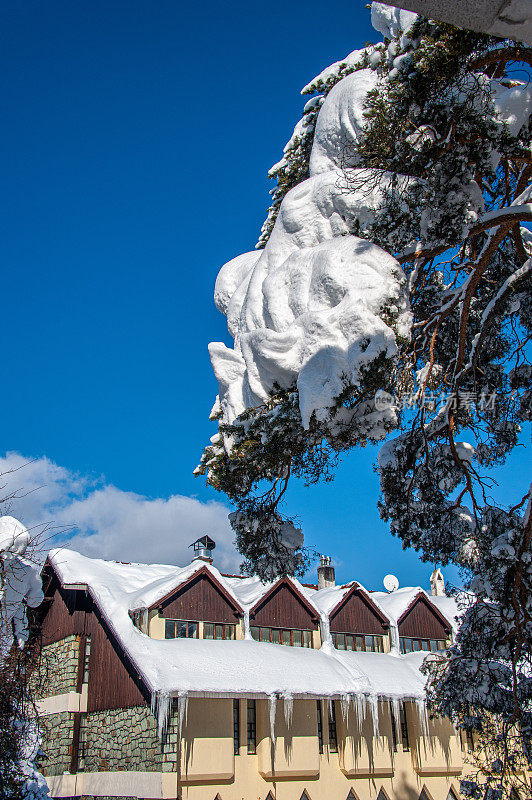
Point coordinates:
[(57, 730), (58, 668), (126, 739)]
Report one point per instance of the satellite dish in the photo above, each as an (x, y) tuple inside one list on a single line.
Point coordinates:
[(391, 583)]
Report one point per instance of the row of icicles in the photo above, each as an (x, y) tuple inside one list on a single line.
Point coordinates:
[(361, 706)]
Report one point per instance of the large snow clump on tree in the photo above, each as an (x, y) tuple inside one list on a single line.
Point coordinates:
[(307, 311)]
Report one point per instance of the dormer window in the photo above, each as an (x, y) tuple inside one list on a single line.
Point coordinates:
[(180, 629), (284, 616), (199, 608), (213, 631), (367, 643), (291, 637), (357, 624), (422, 627), (409, 645)]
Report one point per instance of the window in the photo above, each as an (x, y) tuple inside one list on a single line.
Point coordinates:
[(394, 729), (293, 638), (469, 741), (349, 641), (404, 728), (320, 726), (86, 659), (236, 727), (409, 645), (180, 629), (213, 630), (399, 725), (252, 726), (333, 739), (82, 743)]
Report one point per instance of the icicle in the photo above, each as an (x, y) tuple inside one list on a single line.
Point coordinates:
[(344, 705), (247, 630), (396, 711), (423, 717), (360, 709), (288, 708), (373, 705), (163, 705), (273, 709), (182, 712)]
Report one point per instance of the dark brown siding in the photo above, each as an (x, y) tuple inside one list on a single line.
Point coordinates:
[(112, 681), (283, 609), (422, 622), (356, 616), (199, 600), (64, 616)]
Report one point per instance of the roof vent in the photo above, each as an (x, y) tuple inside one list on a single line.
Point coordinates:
[(326, 577), (437, 584), (203, 548)]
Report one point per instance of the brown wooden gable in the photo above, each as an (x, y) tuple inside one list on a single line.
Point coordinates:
[(422, 620), (357, 613), (113, 680), (283, 606), (200, 598)]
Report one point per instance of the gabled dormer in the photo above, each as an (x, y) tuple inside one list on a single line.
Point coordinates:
[(283, 615), (356, 622), (422, 626), (200, 607)]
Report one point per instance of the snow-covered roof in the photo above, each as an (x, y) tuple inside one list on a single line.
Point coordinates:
[(198, 667)]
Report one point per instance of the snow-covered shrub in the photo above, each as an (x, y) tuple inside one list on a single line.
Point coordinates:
[(20, 589)]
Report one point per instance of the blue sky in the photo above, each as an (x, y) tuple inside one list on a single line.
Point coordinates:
[(137, 136)]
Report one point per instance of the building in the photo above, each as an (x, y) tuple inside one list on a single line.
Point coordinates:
[(166, 682)]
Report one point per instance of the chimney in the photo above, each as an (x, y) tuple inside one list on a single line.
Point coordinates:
[(325, 573), (437, 584), (203, 548)]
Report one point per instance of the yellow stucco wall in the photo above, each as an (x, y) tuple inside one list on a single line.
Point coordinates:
[(362, 765)]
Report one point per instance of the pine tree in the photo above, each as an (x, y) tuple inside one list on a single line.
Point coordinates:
[(441, 175)]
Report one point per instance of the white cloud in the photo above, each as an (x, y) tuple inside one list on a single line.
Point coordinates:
[(107, 522)]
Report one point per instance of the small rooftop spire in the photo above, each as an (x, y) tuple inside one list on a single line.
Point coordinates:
[(437, 583)]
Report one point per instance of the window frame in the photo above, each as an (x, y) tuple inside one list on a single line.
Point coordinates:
[(251, 726), (280, 633), (320, 726), (225, 626), (358, 638), (416, 644), (333, 733), (236, 727), (186, 622)]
